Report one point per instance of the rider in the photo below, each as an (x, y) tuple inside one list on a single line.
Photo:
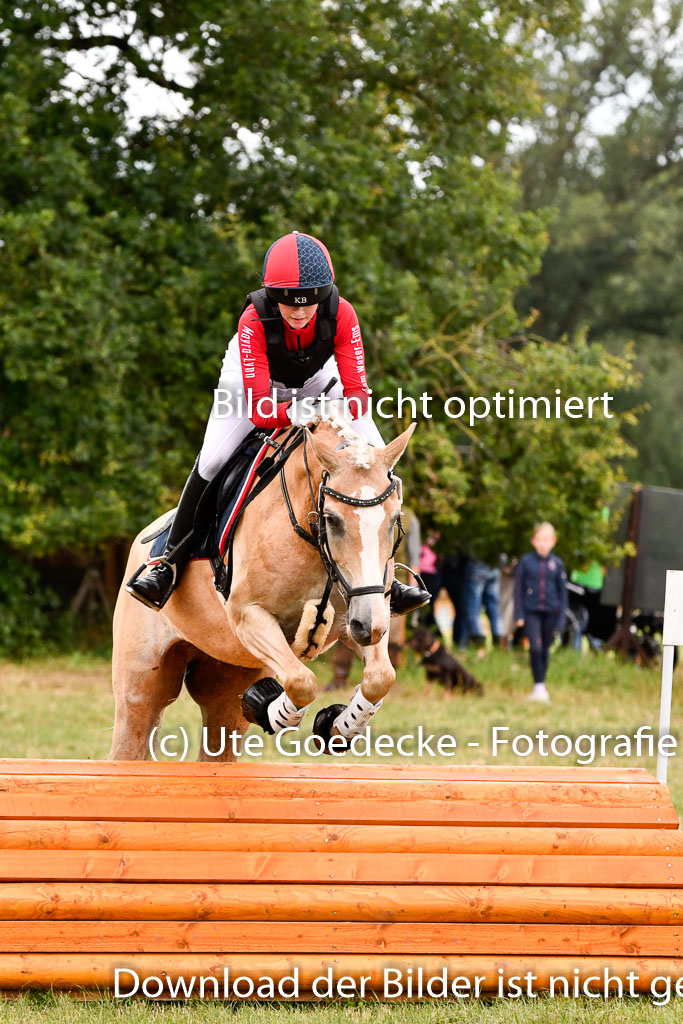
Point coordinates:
[(294, 335)]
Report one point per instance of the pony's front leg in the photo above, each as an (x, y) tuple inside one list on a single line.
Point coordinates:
[(267, 703), (377, 679)]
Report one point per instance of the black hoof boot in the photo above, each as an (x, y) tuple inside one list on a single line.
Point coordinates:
[(256, 700), (322, 726)]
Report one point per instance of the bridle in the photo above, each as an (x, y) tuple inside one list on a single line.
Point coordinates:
[(275, 465), (318, 535), (331, 566)]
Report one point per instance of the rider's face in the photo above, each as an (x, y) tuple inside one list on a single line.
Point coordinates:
[(297, 316)]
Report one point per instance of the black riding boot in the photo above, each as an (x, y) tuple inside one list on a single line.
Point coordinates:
[(155, 587), (404, 599)]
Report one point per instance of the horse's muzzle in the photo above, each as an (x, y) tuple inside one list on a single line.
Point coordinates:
[(360, 632), (367, 623)]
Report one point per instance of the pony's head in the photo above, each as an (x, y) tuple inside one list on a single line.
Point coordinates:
[(360, 537)]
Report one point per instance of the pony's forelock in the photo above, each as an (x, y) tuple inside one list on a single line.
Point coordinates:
[(358, 448)]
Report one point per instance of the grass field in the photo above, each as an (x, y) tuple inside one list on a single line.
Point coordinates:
[(61, 1010), (64, 708)]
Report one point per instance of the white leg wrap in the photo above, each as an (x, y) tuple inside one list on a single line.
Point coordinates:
[(353, 720), (284, 714)]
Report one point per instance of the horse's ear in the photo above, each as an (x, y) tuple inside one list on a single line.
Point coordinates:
[(395, 449), (325, 454)]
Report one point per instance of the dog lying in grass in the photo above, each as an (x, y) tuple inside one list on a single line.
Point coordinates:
[(440, 666)]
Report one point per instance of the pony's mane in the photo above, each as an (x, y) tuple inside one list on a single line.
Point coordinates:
[(358, 449)]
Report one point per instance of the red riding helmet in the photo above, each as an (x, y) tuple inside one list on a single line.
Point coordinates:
[(297, 270)]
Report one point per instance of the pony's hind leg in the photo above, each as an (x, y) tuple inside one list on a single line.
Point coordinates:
[(148, 666), (218, 689)]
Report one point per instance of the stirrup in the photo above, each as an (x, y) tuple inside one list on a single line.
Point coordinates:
[(420, 585), (156, 606)]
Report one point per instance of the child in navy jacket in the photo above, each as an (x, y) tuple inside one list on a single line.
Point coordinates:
[(541, 602)]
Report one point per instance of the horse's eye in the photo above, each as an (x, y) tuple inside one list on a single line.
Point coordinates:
[(334, 523)]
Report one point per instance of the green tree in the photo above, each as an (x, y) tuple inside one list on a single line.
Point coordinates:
[(523, 465), (606, 155), (129, 240)]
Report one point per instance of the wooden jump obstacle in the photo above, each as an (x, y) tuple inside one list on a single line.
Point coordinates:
[(176, 870)]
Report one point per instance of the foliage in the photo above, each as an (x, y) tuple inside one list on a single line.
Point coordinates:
[(28, 623), (129, 241), (518, 471), (606, 155)]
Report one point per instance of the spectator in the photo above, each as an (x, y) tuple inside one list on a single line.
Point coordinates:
[(408, 553), (430, 572), (541, 602), (453, 579), (507, 599), (592, 580), (482, 586)]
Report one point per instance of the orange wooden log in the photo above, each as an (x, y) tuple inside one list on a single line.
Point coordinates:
[(321, 770), (350, 811), (338, 937), (46, 834), (301, 867), (327, 790), (422, 868), (67, 971), (108, 901)]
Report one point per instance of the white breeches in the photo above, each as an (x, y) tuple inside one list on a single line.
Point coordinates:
[(224, 433)]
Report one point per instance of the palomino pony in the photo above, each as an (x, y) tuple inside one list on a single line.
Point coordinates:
[(221, 648)]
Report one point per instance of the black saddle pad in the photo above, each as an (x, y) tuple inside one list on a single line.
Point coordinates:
[(227, 494)]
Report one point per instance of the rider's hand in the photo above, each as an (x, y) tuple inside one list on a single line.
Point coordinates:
[(301, 415)]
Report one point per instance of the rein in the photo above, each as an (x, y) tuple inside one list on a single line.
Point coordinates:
[(318, 536)]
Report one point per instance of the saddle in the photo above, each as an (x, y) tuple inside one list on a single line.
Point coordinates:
[(227, 496), (222, 504)]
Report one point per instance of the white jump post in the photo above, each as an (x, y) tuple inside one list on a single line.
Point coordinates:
[(672, 636)]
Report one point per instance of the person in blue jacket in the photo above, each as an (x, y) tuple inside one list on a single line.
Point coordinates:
[(541, 602)]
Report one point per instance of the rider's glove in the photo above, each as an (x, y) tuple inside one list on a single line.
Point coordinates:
[(302, 415)]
